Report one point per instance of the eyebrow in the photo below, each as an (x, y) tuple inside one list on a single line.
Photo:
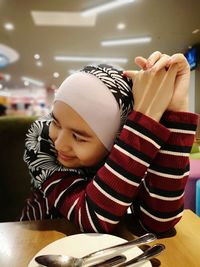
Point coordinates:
[(79, 132), (53, 116)]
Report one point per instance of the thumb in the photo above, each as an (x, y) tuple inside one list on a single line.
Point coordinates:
[(130, 73)]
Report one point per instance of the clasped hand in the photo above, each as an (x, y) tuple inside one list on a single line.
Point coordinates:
[(161, 84)]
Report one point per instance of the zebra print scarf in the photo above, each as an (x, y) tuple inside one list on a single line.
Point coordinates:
[(119, 85)]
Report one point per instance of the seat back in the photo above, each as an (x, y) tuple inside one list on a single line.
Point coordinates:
[(14, 176)]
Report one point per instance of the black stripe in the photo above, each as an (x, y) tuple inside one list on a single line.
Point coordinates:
[(179, 125), (103, 212), (167, 170), (134, 151), (123, 172), (160, 214), (175, 148), (112, 192), (94, 218), (144, 131), (70, 189), (52, 186), (166, 193)]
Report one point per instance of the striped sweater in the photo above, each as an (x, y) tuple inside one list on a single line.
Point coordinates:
[(147, 170)]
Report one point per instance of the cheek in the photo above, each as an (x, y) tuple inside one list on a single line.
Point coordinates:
[(52, 132), (90, 155)]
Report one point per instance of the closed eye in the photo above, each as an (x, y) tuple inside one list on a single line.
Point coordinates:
[(55, 121), (78, 138)]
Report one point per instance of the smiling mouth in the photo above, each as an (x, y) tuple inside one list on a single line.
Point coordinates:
[(64, 157)]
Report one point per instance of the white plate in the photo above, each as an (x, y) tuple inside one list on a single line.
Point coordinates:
[(82, 244)]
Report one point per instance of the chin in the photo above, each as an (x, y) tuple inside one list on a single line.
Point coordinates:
[(69, 164)]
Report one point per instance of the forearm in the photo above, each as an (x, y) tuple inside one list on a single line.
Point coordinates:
[(98, 205), (161, 196)]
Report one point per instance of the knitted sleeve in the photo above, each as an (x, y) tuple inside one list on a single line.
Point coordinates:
[(98, 204), (161, 198)]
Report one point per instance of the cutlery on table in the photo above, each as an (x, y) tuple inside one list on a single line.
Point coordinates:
[(145, 256), (103, 254), (110, 262)]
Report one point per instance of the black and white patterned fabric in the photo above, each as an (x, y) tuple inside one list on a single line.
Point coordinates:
[(40, 154), (119, 85)]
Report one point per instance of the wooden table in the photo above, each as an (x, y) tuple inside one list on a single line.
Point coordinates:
[(20, 241)]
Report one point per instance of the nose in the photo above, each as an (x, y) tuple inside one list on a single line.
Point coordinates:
[(62, 142)]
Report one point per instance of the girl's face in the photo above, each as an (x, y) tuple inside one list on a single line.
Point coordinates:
[(76, 143)]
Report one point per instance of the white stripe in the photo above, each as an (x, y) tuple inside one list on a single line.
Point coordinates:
[(142, 136), (131, 156), (174, 153), (54, 182), (169, 175), (129, 211), (161, 219), (60, 195), (181, 131), (106, 219), (21, 218), (33, 210), (121, 176), (72, 207), (47, 206), (39, 208), (79, 220), (27, 213), (109, 196), (90, 219), (162, 197)]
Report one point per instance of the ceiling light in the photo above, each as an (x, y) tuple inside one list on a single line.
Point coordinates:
[(91, 59), (36, 56), (9, 26), (195, 31), (70, 19), (26, 83), (1, 86), (105, 7), (33, 81), (56, 74), (8, 52), (71, 71), (53, 87), (121, 26), (4, 61), (126, 41), (7, 77), (39, 63)]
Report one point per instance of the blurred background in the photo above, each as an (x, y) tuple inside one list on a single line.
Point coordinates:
[(42, 42)]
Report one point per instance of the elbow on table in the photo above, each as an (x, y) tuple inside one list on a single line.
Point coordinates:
[(163, 227)]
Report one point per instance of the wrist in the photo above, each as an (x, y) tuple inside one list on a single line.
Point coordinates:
[(156, 116), (181, 107)]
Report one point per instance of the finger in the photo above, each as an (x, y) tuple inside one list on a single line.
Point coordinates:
[(177, 58), (163, 62), (182, 62), (154, 57), (141, 62), (171, 73), (130, 73)]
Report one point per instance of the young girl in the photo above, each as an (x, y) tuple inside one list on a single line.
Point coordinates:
[(108, 146)]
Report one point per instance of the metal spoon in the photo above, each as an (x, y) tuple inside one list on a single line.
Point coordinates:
[(69, 261), (113, 261), (146, 255)]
